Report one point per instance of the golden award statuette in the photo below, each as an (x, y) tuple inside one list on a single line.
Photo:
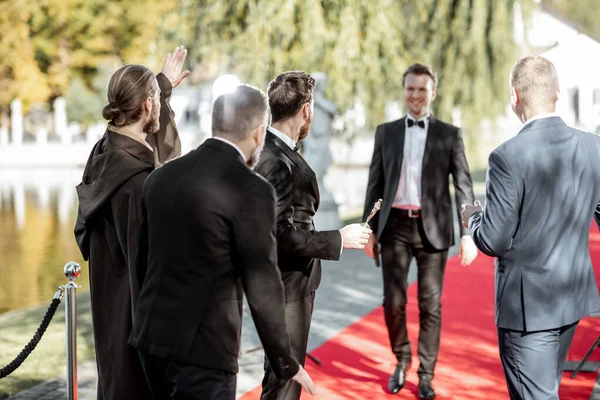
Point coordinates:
[(376, 208), (365, 224)]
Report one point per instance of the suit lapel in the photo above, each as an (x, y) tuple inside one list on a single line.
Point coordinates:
[(397, 144), (432, 133), (296, 159)]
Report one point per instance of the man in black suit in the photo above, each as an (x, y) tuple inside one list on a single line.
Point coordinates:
[(542, 191), (207, 235), (300, 247), (412, 161)]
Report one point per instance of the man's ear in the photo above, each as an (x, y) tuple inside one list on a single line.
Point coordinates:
[(148, 104), (515, 98), (258, 133), (306, 109)]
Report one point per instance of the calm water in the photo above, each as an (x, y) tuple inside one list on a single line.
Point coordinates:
[(37, 213), (38, 208)]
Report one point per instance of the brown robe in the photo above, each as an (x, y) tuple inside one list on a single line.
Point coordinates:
[(107, 235)]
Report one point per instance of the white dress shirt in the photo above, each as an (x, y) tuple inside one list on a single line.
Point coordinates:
[(288, 140), (285, 138), (540, 116), (408, 196)]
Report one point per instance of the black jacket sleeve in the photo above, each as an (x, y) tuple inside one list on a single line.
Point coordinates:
[(463, 185), (376, 183), (291, 240), (256, 257)]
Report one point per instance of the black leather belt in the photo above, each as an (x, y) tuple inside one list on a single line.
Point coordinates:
[(407, 213)]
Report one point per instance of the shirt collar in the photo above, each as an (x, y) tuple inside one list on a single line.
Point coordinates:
[(235, 146), (286, 139), (539, 116)]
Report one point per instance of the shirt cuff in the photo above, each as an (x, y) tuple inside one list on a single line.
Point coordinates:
[(342, 241)]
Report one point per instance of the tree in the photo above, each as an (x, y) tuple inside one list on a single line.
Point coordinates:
[(74, 37), (582, 14), (85, 102), (20, 75), (364, 46), (45, 44)]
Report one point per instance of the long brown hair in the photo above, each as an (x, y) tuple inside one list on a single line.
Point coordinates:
[(128, 88)]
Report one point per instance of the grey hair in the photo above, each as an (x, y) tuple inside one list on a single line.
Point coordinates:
[(237, 114), (536, 80)]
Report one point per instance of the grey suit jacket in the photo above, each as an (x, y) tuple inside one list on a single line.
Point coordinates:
[(543, 187)]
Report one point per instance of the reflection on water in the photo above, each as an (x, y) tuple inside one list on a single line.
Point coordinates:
[(38, 208)]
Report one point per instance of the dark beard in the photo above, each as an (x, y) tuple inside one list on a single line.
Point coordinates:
[(304, 130), (255, 157), (153, 123)]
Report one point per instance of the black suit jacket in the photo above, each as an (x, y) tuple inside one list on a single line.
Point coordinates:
[(207, 233), (299, 246), (444, 155)]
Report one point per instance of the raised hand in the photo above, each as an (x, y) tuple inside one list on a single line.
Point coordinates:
[(173, 64)]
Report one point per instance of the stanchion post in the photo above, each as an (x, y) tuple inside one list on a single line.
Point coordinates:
[(72, 271)]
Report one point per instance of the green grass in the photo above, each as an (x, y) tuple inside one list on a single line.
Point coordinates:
[(48, 359)]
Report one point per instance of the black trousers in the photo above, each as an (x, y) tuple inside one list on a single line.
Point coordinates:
[(172, 380), (402, 240), (298, 314), (533, 362)]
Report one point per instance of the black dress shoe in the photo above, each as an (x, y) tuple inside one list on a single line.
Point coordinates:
[(397, 379), (426, 390)]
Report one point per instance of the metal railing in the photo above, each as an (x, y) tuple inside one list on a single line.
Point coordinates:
[(72, 270)]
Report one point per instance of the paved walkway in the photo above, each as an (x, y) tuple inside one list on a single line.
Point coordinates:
[(350, 289)]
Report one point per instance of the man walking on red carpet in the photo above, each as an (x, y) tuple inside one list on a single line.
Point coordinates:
[(412, 161), (300, 247), (542, 191)]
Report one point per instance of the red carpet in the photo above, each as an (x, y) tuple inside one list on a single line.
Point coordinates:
[(357, 362)]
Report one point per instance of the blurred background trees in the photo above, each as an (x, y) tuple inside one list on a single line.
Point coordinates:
[(581, 13), (51, 48), (363, 45)]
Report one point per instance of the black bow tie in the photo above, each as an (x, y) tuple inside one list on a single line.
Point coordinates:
[(295, 148), (411, 122)]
